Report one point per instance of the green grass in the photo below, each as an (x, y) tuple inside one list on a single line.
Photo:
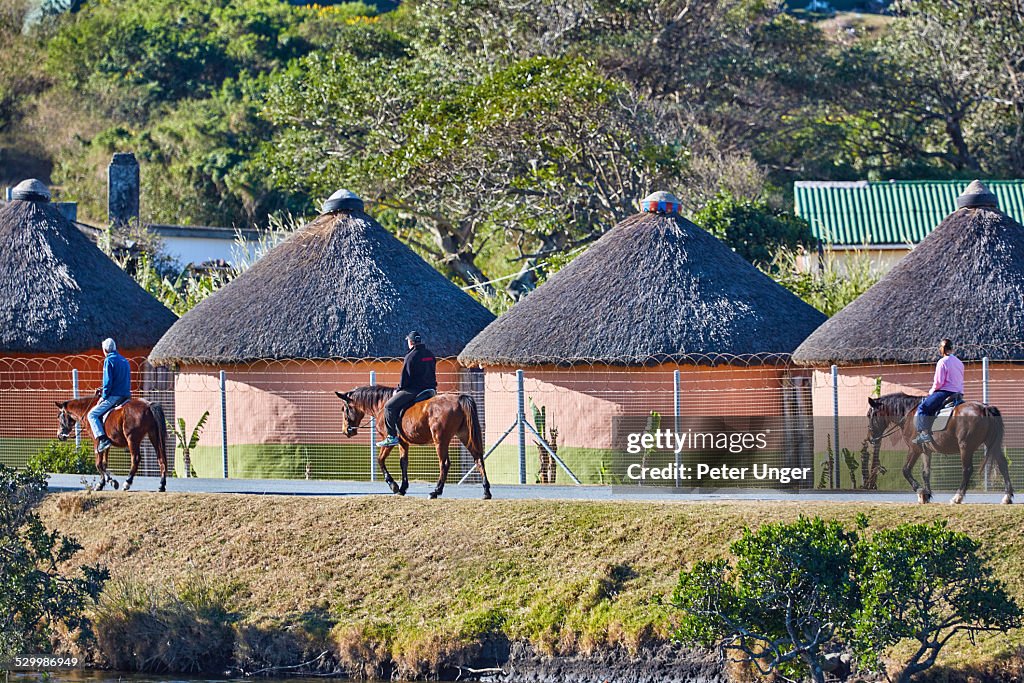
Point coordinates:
[(410, 585)]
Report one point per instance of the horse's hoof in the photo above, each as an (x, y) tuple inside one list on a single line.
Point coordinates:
[(956, 500), (403, 488), (922, 497), (1008, 499), (394, 486), (127, 486), (116, 485), (434, 494), (100, 486), (163, 488), (487, 495)]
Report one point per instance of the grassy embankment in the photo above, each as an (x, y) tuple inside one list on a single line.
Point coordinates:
[(413, 585)]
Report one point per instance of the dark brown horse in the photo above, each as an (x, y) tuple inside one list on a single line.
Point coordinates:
[(125, 426), (972, 425), (437, 420)]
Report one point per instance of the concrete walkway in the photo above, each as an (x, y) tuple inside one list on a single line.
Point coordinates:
[(301, 487)]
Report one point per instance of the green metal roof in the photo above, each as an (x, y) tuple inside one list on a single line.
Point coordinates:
[(894, 212)]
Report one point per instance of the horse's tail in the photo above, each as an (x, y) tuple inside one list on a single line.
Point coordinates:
[(476, 439), (994, 442), (161, 425)]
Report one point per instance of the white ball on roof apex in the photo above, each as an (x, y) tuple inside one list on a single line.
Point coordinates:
[(343, 200), (31, 190), (660, 202)]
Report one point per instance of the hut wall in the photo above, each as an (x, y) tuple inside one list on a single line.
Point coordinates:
[(29, 386), (581, 403), (283, 419)]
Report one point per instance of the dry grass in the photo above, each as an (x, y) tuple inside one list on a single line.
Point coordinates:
[(410, 585)]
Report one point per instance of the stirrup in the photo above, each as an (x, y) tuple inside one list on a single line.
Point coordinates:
[(923, 438), (104, 444)]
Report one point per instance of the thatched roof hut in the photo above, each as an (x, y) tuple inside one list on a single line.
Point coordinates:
[(342, 287), (655, 289), (964, 281), (59, 293)]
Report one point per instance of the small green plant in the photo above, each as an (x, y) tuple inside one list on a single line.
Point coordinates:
[(64, 457), (852, 464), (187, 442), (825, 480), (546, 473)]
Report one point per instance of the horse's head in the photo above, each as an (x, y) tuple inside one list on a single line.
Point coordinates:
[(879, 417), (352, 418), (66, 421)]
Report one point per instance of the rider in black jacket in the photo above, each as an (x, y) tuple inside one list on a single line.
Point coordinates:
[(418, 374)]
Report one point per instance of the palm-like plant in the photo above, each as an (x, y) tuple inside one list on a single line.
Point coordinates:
[(187, 442)]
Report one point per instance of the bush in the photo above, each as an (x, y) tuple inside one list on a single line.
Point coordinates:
[(63, 457), (753, 229), (812, 596), (35, 593)]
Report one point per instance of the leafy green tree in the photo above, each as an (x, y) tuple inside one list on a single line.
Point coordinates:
[(35, 593), (187, 442), (783, 605), (64, 457), (753, 229), (925, 584)]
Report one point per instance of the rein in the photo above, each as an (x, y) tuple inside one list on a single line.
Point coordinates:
[(894, 429)]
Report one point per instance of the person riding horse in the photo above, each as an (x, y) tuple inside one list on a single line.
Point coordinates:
[(117, 388), (948, 382), (418, 375)]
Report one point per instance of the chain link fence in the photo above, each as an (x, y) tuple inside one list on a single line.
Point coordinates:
[(542, 425)]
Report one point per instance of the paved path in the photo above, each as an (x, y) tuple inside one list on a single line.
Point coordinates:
[(301, 487)]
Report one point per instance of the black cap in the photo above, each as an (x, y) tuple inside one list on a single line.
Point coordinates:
[(414, 337)]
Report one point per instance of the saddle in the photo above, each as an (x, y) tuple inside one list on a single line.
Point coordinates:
[(117, 405), (946, 411), (424, 395)]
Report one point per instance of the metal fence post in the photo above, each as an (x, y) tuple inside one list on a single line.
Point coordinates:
[(984, 399), (675, 420), (74, 392), (835, 426), (224, 421), (521, 418), (373, 434)]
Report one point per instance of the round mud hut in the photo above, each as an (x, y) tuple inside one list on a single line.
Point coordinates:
[(605, 335), (965, 282), (60, 297), (324, 311)]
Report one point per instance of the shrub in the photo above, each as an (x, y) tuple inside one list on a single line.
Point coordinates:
[(63, 457)]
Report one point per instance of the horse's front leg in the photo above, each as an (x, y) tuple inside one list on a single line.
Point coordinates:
[(443, 462), (967, 464), (404, 462), (106, 469), (908, 474), (388, 479), (926, 475), (100, 469)]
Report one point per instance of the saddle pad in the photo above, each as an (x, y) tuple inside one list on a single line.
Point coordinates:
[(942, 418)]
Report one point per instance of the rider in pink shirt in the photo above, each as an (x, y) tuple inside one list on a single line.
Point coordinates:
[(949, 381)]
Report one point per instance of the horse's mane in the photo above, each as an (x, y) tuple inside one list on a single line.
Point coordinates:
[(371, 396), (899, 403)]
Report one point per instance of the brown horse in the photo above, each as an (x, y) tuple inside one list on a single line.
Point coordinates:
[(125, 426), (971, 426), (437, 420)]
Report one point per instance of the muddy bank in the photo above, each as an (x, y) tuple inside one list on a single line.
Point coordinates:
[(654, 664)]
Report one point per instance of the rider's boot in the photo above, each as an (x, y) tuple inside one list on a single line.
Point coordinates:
[(923, 437), (103, 444)]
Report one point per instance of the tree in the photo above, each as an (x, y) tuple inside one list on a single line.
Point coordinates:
[(783, 605), (811, 596), (926, 583), (35, 594), (753, 229)]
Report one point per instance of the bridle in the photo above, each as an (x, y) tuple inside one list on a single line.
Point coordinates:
[(895, 428)]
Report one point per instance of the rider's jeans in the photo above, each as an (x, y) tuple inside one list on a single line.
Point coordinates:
[(97, 412), (930, 406)]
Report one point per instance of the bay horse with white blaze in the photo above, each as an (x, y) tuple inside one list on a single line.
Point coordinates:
[(436, 420), (972, 425), (125, 426)]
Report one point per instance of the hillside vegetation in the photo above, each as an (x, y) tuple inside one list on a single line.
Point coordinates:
[(416, 586), (491, 134)]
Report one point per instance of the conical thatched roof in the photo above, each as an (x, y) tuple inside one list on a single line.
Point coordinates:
[(656, 288), (965, 281), (58, 292), (341, 287)]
